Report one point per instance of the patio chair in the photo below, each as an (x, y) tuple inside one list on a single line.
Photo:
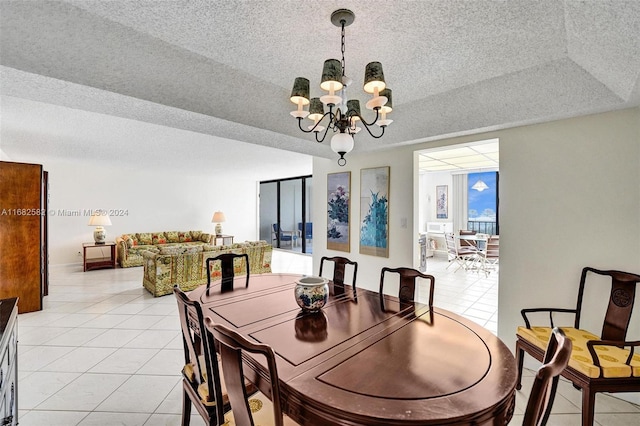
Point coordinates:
[(308, 231), (283, 236), (465, 257)]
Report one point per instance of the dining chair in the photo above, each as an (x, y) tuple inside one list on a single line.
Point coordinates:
[(339, 268), (464, 257), (407, 287), (545, 383), (201, 382), (604, 363), (231, 347), (227, 269)]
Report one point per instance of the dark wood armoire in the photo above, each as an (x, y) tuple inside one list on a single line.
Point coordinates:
[(23, 234)]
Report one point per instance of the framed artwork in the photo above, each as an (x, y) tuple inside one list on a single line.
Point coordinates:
[(442, 202), (374, 211), (338, 203)]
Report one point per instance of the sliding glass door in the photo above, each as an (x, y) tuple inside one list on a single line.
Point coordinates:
[(285, 209)]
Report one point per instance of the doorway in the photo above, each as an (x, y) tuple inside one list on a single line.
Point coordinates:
[(447, 203), (285, 213)]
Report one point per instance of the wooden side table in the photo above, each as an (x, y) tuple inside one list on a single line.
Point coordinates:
[(99, 262), (225, 240)]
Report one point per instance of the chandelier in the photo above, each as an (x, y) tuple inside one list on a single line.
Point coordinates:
[(344, 114)]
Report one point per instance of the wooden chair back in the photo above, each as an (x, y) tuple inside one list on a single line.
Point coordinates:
[(545, 383), (227, 261), (407, 289), (199, 355), (621, 298), (339, 268), (231, 346)]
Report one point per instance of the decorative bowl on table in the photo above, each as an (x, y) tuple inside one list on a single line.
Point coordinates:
[(312, 293)]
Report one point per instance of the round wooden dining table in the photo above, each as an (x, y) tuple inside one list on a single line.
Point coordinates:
[(369, 360)]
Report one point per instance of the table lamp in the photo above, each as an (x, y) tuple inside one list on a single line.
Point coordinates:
[(217, 218), (99, 221)]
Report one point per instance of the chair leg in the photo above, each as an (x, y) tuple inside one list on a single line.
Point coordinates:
[(520, 363), (588, 406), (186, 408)]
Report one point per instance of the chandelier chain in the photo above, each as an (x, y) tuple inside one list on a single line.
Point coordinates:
[(342, 47)]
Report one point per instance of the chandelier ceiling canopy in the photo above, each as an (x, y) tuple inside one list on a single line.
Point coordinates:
[(344, 114)]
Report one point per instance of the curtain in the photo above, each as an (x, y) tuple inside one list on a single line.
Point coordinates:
[(460, 202)]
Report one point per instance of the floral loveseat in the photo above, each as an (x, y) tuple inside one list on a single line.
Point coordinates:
[(131, 246), (186, 266)]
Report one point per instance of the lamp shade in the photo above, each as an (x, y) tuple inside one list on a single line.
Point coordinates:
[(98, 219), (316, 109), (480, 186), (374, 77), (331, 75), (218, 217), (353, 108), (300, 91), (388, 107)]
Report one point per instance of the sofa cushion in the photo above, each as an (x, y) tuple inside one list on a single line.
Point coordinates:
[(612, 359), (172, 249), (158, 238), (185, 237), (137, 250), (145, 238), (191, 248), (172, 236)]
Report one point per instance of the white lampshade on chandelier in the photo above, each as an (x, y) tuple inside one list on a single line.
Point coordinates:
[(343, 121)]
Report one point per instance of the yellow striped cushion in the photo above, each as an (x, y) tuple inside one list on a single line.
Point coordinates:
[(261, 411), (612, 359)]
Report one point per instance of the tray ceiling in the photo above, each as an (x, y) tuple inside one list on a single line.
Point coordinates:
[(225, 68)]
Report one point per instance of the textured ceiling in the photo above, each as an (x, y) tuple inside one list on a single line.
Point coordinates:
[(225, 68)]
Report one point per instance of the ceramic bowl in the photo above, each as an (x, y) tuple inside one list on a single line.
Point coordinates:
[(312, 293)]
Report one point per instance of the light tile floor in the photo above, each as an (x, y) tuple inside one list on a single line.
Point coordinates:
[(103, 351)]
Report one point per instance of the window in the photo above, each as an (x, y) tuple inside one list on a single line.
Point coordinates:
[(483, 203)]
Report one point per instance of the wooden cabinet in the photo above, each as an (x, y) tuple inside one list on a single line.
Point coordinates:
[(23, 247), (9, 361)]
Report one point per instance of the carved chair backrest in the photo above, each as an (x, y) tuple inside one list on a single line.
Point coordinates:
[(231, 346), (198, 349), (621, 298), (407, 289), (227, 261), (339, 269), (545, 383)]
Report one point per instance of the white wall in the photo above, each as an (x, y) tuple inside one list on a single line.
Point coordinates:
[(165, 179), (569, 198)]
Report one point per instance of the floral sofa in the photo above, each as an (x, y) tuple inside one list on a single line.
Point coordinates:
[(186, 266), (131, 246)]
